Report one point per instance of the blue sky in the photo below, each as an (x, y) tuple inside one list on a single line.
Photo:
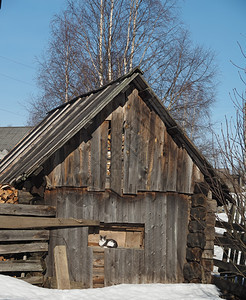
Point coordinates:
[(24, 28)]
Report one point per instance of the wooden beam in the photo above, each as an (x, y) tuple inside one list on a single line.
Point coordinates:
[(61, 267), (24, 235), (12, 222), (23, 248), (26, 209), (233, 226), (229, 267), (21, 266)]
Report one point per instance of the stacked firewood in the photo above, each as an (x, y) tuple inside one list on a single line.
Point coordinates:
[(8, 194)]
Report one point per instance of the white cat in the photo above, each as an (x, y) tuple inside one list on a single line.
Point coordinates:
[(107, 243)]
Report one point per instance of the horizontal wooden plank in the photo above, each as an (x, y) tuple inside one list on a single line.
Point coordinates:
[(23, 248), (229, 226), (227, 242), (25, 209), (24, 235), (230, 267), (231, 287), (98, 271), (98, 280), (13, 222), (21, 266)]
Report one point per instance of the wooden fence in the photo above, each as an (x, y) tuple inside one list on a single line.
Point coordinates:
[(22, 250), (232, 267)]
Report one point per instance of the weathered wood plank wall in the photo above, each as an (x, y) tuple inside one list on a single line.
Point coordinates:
[(144, 156), (147, 181), (165, 216)]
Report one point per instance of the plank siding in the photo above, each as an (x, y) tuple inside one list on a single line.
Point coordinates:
[(99, 158), (165, 217), (131, 144), (151, 160), (148, 182), (116, 150)]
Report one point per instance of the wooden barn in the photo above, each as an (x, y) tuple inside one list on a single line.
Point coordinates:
[(115, 155)]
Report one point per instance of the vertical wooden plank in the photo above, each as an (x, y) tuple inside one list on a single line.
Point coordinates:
[(99, 157), (116, 151), (144, 139), (169, 234), (84, 152), (61, 266), (157, 178), (151, 147), (184, 172), (172, 164), (163, 239), (149, 237), (130, 181), (159, 235), (183, 207)]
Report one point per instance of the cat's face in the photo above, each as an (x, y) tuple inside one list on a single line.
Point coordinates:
[(103, 237)]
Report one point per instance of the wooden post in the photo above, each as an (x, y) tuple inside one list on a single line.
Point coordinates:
[(61, 267)]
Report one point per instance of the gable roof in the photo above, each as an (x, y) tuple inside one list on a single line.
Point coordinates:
[(63, 122), (10, 136)]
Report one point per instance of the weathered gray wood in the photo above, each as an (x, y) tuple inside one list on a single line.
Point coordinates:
[(158, 158), (130, 146), (21, 266), (24, 235), (37, 222), (172, 152), (232, 226), (28, 210), (229, 242), (116, 151), (84, 152), (61, 267), (229, 267), (144, 139), (98, 160), (22, 248), (182, 224)]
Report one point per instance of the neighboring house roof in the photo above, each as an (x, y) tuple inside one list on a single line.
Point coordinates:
[(63, 122), (9, 137)]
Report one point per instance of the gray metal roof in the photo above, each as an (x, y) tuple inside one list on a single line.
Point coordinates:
[(10, 136), (62, 123)]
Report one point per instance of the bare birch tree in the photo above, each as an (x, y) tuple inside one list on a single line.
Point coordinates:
[(94, 42), (232, 168)]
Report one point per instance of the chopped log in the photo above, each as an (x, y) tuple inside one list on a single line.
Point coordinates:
[(21, 266), (61, 267), (12, 222), (25, 209), (23, 248), (8, 194), (24, 235)]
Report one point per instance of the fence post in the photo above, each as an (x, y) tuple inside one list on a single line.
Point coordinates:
[(61, 267)]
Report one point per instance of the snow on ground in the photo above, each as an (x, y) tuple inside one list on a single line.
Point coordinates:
[(16, 289)]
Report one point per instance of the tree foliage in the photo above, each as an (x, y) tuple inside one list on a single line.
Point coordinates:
[(94, 42)]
